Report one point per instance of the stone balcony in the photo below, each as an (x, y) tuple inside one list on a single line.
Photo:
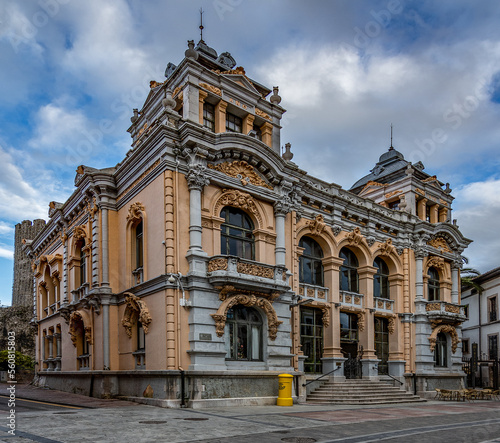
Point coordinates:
[(444, 311), (383, 304), (351, 299), (312, 291), (245, 274)]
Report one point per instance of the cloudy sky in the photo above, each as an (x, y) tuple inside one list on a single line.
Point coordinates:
[(72, 71)]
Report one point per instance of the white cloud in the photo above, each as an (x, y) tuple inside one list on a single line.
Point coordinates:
[(6, 228), (6, 252), (478, 211)]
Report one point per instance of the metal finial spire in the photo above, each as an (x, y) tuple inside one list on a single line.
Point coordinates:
[(391, 147), (201, 24)]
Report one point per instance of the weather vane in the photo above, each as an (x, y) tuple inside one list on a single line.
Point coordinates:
[(391, 138), (201, 24)]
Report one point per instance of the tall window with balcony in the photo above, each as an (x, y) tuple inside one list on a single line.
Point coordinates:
[(233, 123), (441, 351), (493, 346), (349, 280), (209, 116), (433, 287), (492, 309), (310, 262), (83, 261), (243, 332), (237, 236), (382, 344), (311, 338), (140, 352), (381, 279), (138, 258)]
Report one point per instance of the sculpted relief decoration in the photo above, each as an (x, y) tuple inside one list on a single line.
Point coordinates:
[(220, 316), (135, 306), (135, 211), (439, 243), (317, 225), (355, 237), (237, 199), (243, 171), (447, 329)]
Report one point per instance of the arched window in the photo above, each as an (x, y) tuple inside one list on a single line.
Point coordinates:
[(349, 271), (237, 234), (310, 264), (381, 279), (440, 351), (243, 334), (433, 284), (139, 261), (83, 261)]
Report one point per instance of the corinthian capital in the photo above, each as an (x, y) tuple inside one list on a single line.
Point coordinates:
[(197, 177)]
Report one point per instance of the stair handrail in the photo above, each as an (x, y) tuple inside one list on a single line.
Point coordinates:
[(321, 376), (394, 378)]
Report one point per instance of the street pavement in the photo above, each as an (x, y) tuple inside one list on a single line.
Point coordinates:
[(50, 416)]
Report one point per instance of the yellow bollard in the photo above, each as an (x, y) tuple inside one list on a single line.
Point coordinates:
[(285, 390)]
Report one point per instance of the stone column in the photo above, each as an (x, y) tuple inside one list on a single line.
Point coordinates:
[(280, 249), (267, 134), (422, 209), (220, 116), (434, 211), (248, 123), (419, 277), (454, 282), (105, 247), (105, 300)]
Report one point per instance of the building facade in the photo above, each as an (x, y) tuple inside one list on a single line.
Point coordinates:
[(208, 258), (481, 329)]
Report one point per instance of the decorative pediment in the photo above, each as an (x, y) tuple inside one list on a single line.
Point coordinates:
[(435, 262), (439, 243), (220, 316), (135, 212), (135, 307), (241, 170), (447, 329), (238, 199)]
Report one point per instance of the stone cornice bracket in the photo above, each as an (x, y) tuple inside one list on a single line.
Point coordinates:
[(355, 237), (386, 248), (317, 225)]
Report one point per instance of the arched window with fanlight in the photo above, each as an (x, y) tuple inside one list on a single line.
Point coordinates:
[(433, 287), (243, 333), (441, 351), (349, 280), (237, 236), (381, 279), (82, 255), (310, 262)]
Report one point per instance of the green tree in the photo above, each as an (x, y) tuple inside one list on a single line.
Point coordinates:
[(22, 361)]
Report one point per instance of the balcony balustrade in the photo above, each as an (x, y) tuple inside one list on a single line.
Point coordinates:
[(383, 304), (247, 274), (80, 293), (312, 291), (441, 310), (351, 299), (83, 362)]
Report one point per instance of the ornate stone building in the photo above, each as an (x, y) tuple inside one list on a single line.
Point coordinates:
[(207, 254)]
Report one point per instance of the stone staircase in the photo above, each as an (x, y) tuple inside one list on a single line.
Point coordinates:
[(360, 392)]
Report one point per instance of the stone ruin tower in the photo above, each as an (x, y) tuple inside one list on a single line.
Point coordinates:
[(22, 288)]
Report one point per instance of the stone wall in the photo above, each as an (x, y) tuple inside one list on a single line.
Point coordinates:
[(22, 288), (17, 319)]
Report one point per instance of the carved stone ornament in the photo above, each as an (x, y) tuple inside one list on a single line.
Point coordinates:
[(77, 321), (433, 307), (220, 316), (386, 248), (391, 326), (197, 177), (439, 243), (454, 309), (135, 211), (211, 88), (370, 240), (390, 194), (241, 170), (225, 291), (336, 230), (135, 306), (447, 329), (237, 199), (326, 315), (317, 225), (262, 114), (63, 236), (217, 264), (79, 232), (253, 269), (355, 237), (420, 191), (92, 208), (435, 262), (359, 313)]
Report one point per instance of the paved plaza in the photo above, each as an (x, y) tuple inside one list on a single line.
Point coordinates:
[(49, 416)]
